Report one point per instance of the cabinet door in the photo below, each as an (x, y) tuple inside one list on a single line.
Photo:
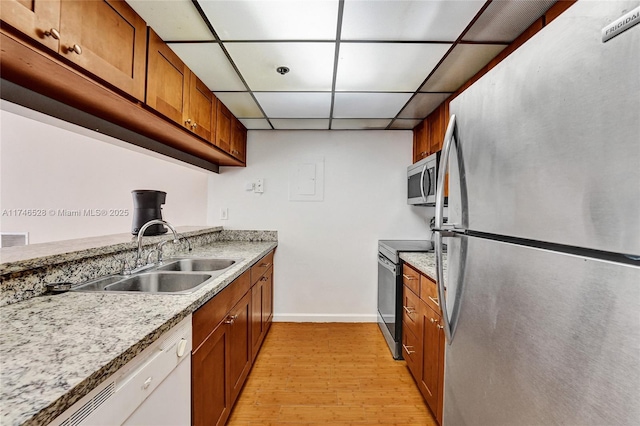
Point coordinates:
[(421, 141), (167, 80), (261, 310), (238, 140), (37, 19), (223, 127), (267, 301), (198, 115), (108, 39), (211, 401), (239, 344), (431, 347)]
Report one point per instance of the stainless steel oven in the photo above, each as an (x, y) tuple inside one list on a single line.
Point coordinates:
[(390, 288)]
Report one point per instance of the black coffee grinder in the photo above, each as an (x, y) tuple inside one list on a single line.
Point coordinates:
[(147, 205)]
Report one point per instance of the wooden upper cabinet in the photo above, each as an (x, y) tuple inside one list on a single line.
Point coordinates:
[(37, 19), (104, 37), (177, 93), (167, 80), (108, 39), (438, 122), (224, 120), (238, 140), (199, 117), (420, 141)]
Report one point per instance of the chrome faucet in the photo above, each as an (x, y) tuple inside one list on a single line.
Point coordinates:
[(176, 239)]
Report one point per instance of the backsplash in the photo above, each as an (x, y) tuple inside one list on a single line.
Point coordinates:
[(22, 280)]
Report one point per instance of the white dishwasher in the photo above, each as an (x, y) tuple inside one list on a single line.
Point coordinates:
[(153, 389)]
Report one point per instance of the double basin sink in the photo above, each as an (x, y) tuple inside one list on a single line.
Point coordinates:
[(175, 276)]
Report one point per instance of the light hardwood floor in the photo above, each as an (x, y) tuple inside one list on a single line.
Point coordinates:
[(330, 374)]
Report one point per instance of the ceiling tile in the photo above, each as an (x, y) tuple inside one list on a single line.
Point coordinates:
[(173, 20), (241, 104), (273, 20), (386, 66), (255, 123), (359, 123), (503, 21), (295, 105), (407, 20), (402, 123), (462, 63), (369, 105), (210, 64), (310, 64), (423, 104), (300, 124)]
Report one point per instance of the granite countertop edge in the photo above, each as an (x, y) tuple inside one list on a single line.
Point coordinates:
[(423, 262), (19, 258), (42, 414)]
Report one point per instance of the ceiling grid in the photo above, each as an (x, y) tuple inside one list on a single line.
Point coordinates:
[(354, 64)]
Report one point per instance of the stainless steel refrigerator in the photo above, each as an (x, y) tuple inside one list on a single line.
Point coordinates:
[(543, 290)]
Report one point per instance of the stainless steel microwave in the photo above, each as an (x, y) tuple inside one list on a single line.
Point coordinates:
[(421, 181)]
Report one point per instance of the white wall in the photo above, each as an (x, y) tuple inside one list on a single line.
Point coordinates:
[(326, 261), (48, 164)]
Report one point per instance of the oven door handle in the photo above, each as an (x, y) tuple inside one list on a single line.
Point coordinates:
[(387, 263)]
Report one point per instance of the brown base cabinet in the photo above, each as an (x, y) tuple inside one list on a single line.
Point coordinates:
[(227, 334), (423, 337)]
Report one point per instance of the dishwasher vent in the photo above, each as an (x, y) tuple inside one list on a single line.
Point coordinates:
[(90, 406)]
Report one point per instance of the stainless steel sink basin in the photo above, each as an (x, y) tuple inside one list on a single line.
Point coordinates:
[(196, 264), (177, 276), (159, 282)]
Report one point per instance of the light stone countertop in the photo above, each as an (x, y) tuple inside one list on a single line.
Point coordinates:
[(56, 349), (425, 263)]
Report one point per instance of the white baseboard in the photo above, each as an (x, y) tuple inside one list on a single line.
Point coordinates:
[(324, 318)]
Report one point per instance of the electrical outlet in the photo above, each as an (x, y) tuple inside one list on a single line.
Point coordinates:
[(259, 186), (224, 213)]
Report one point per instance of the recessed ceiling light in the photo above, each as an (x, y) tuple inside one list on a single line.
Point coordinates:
[(282, 70)]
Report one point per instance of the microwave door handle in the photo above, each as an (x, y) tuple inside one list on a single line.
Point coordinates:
[(424, 197), (429, 192)]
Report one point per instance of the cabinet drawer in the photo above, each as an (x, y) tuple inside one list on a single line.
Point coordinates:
[(429, 293), (412, 352), (411, 278), (261, 267), (411, 312)]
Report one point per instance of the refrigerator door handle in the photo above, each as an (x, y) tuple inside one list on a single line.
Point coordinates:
[(424, 197), (439, 232)]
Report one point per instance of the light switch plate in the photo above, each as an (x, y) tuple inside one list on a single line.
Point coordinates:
[(224, 213), (259, 186)]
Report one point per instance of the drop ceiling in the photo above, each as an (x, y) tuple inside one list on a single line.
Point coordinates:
[(354, 64)]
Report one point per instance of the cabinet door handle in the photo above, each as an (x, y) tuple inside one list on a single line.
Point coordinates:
[(187, 121), (230, 320), (406, 348), (433, 320), (75, 49), (409, 277), (440, 326), (52, 33), (194, 126), (409, 310), (264, 279), (264, 265), (434, 300)]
